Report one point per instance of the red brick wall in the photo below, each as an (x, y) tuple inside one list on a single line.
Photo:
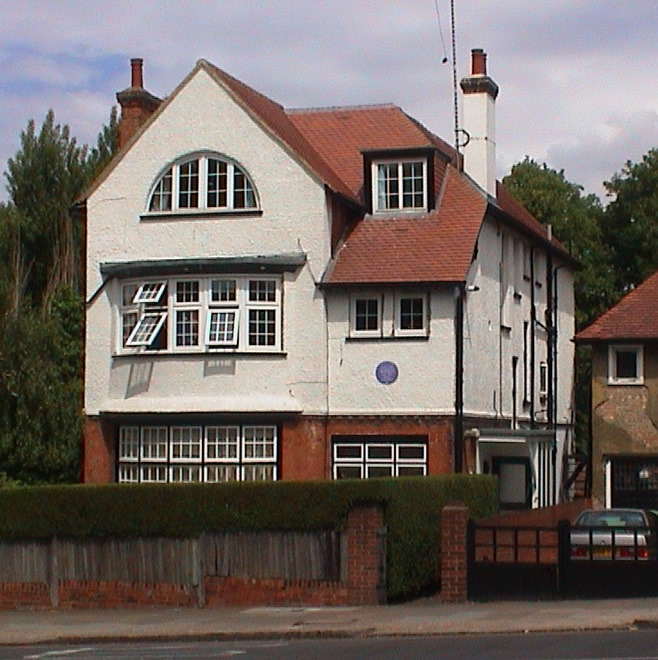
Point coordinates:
[(454, 559), (548, 516), (99, 451), (437, 429), (17, 595), (363, 560), (124, 594), (303, 450)]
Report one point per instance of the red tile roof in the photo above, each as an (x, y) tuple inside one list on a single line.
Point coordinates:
[(634, 317), (436, 247), (342, 134)]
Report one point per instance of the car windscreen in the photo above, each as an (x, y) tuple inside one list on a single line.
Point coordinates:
[(611, 519)]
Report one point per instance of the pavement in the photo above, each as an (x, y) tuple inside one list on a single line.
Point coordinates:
[(420, 617)]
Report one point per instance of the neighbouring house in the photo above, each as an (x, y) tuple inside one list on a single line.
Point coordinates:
[(319, 293), (624, 394)]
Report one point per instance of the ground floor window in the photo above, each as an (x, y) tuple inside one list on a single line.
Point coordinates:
[(362, 457), (188, 453), (635, 481)]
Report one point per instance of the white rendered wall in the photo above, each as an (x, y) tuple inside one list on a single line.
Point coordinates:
[(202, 116), (426, 366), (495, 313)]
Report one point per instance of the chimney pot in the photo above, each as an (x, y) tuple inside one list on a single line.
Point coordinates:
[(478, 62), (137, 78)]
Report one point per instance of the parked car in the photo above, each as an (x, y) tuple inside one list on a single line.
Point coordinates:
[(622, 534)]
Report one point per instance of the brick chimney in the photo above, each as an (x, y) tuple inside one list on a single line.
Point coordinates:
[(137, 105), (479, 122)]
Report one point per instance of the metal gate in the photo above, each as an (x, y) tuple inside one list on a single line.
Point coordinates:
[(527, 562)]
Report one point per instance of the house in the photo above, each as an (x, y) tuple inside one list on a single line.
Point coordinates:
[(624, 416), (319, 293)]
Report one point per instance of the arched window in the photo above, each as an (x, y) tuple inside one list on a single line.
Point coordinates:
[(205, 181)]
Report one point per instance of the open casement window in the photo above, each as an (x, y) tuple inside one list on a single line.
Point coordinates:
[(213, 313), (366, 316), (399, 185), (625, 365), (143, 316), (411, 318), (204, 181)]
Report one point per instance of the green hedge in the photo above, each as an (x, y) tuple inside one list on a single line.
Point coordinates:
[(412, 508)]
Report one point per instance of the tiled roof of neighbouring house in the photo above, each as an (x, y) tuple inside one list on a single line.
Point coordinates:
[(634, 317)]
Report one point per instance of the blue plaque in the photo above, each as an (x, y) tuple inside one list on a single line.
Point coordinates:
[(386, 372)]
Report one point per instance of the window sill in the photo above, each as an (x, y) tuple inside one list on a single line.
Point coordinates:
[(357, 338), (198, 213), (626, 383), (214, 354)]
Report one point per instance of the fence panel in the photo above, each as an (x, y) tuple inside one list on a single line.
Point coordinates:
[(24, 561)]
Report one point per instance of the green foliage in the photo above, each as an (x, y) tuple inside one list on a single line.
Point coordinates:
[(40, 390), (41, 308), (630, 225), (412, 513)]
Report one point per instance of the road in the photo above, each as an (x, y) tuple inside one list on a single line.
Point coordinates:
[(627, 644)]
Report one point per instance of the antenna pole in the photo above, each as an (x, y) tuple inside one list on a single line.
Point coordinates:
[(454, 79)]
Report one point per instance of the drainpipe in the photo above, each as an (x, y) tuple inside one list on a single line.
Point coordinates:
[(458, 454), (533, 324)]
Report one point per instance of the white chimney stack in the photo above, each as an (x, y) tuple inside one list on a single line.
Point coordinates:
[(479, 122)]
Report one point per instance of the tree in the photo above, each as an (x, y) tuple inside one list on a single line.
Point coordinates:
[(41, 308), (575, 220), (630, 223)]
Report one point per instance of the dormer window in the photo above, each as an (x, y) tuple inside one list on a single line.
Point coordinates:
[(399, 185), (203, 182)]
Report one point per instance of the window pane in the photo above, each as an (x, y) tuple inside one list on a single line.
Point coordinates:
[(626, 362), (222, 443), (258, 472), (349, 451), (128, 443), (243, 193), (220, 473), (259, 442), (185, 473), (217, 183), (348, 472), (187, 327), (222, 327), (379, 471), (153, 473), (381, 452), (187, 291), (128, 473), (262, 327), (387, 186), (412, 185), (411, 471), (154, 443), (367, 314), (161, 199), (188, 185), (412, 316), (411, 452), (262, 291), (185, 443), (150, 292), (147, 328), (223, 291), (128, 323)]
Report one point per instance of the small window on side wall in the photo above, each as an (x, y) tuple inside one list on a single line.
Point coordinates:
[(625, 365), (366, 316), (411, 315)]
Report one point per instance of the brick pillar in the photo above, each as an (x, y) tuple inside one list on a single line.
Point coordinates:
[(454, 559), (364, 557)]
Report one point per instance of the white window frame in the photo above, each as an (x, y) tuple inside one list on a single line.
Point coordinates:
[(173, 171), (613, 350), (399, 331), (400, 207), (543, 379), (255, 456), (364, 463), (355, 299), (163, 306)]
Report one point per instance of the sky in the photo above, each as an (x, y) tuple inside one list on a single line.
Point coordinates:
[(577, 78)]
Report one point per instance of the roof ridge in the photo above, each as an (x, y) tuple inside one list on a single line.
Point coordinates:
[(339, 108)]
